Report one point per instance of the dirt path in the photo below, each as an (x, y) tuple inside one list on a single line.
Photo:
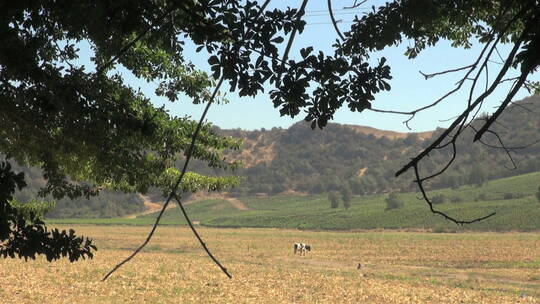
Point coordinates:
[(151, 206), (236, 203), (155, 206), (362, 171), (415, 272)]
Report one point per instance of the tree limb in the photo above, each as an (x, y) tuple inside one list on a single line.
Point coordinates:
[(198, 237), (334, 20), (175, 187)]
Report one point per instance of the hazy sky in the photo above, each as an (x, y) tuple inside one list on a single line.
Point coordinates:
[(409, 89)]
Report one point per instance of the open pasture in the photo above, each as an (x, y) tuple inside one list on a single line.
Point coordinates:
[(396, 267)]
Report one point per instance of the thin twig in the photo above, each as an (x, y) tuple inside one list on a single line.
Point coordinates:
[(502, 146), (448, 119), (460, 83), (334, 22), (473, 66), (499, 54), (517, 104), (427, 76), (461, 120), (173, 193), (454, 154), (465, 114), (355, 5)]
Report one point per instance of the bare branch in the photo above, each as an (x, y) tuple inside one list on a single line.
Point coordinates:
[(448, 119), (499, 54), (173, 193), (427, 76), (460, 83), (454, 154), (504, 104), (291, 38), (466, 112), (517, 86), (189, 153), (522, 106), (334, 20), (198, 237), (355, 5), (472, 67), (446, 216), (502, 146)]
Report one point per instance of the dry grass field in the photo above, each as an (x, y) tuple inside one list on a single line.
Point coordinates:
[(397, 267)]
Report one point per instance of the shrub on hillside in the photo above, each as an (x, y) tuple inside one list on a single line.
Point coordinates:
[(393, 201), (346, 196), (481, 197), (456, 199), (538, 194), (508, 196), (438, 199), (333, 198)]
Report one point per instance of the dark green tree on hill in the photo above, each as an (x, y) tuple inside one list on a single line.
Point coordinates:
[(333, 199), (346, 196), (393, 201), (477, 176)]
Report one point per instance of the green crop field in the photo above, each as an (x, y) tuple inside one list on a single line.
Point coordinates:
[(513, 199)]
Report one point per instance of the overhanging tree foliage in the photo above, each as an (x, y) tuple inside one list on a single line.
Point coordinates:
[(85, 124), (23, 233), (93, 126)]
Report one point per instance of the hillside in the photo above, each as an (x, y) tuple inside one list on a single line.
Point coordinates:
[(299, 160), (512, 198)]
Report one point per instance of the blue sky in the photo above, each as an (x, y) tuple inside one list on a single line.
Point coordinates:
[(409, 89)]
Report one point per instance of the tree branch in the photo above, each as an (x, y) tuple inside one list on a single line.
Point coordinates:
[(199, 238), (427, 76), (173, 193), (466, 112), (460, 83), (504, 104), (355, 5), (291, 39), (189, 153), (443, 214), (334, 20)]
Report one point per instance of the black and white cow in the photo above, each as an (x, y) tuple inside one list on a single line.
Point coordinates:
[(301, 248)]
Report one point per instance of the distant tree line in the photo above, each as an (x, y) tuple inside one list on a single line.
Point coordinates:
[(107, 205)]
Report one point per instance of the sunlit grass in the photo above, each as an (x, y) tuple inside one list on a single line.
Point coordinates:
[(396, 267)]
